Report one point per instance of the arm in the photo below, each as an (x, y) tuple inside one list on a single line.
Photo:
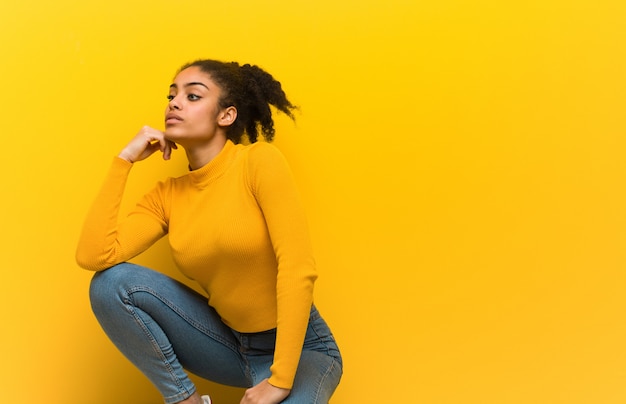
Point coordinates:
[(103, 242), (276, 193)]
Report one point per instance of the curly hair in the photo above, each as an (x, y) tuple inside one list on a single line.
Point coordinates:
[(251, 90)]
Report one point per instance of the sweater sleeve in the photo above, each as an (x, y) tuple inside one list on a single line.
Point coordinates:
[(105, 241), (276, 194)]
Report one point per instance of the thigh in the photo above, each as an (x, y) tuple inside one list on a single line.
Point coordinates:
[(316, 380), (319, 338), (320, 367), (203, 344)]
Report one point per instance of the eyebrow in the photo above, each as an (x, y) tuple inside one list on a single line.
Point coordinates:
[(193, 83)]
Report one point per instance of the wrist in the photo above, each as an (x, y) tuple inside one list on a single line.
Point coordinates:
[(125, 158)]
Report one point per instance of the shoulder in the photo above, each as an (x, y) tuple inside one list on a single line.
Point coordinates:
[(265, 162), (264, 154), (263, 150)]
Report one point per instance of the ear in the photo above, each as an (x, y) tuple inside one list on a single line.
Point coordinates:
[(227, 116)]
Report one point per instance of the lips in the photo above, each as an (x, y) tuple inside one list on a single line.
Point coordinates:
[(172, 118)]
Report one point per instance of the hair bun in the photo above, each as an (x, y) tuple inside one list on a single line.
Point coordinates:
[(251, 90)]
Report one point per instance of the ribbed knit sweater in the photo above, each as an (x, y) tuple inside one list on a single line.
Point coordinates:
[(236, 226)]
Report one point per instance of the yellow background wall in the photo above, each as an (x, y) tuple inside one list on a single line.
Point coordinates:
[(461, 164)]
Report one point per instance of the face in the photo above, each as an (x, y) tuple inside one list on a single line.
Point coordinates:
[(193, 114)]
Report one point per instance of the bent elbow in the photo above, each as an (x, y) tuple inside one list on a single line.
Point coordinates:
[(89, 262)]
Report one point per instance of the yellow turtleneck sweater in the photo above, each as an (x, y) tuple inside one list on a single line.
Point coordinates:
[(235, 226)]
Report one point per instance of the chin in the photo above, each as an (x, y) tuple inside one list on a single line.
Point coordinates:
[(172, 133)]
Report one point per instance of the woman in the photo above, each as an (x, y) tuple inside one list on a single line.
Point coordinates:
[(235, 225)]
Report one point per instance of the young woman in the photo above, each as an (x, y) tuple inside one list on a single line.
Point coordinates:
[(236, 226)]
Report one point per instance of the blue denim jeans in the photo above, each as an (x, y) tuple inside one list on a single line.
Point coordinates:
[(166, 329)]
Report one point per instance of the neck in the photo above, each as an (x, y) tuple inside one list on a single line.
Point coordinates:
[(200, 155)]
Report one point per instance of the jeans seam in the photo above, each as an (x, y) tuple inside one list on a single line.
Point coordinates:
[(189, 320), (323, 378), (157, 349)]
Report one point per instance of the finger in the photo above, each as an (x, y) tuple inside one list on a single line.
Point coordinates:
[(167, 153), (170, 146), (149, 150)]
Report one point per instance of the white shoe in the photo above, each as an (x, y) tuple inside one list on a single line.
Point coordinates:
[(206, 399)]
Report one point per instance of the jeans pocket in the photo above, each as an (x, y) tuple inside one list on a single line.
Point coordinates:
[(319, 338)]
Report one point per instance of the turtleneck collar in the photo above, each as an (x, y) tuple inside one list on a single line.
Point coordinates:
[(214, 169)]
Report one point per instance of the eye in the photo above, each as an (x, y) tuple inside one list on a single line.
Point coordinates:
[(193, 97), (170, 97)]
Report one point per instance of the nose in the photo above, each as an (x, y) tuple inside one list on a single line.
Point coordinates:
[(173, 104)]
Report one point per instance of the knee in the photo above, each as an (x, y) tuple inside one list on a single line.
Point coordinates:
[(109, 285)]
